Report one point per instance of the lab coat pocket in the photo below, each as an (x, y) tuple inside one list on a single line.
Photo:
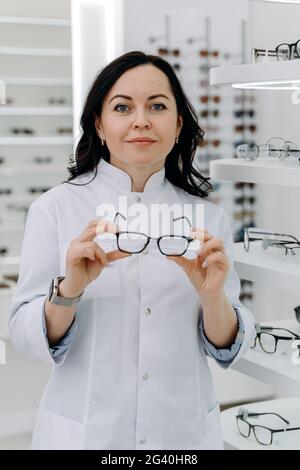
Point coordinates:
[(60, 433), (211, 430), (107, 284)]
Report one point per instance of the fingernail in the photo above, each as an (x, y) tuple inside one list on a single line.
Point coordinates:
[(204, 264)]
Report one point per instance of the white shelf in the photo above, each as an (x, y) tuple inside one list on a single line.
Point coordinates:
[(34, 21), (37, 81), (260, 266), (34, 169), (36, 140), (35, 51), (37, 111), (245, 73), (277, 370), (262, 171), (288, 408)]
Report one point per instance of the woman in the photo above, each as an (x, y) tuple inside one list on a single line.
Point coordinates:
[(128, 335)]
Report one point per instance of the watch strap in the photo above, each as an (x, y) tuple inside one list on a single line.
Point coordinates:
[(57, 299)]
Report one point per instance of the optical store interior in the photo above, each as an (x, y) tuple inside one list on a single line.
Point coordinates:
[(238, 63)]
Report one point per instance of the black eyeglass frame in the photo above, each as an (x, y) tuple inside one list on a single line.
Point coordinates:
[(257, 232), (276, 53), (253, 426), (158, 239), (267, 330)]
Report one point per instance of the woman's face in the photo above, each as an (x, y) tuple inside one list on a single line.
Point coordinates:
[(147, 108)]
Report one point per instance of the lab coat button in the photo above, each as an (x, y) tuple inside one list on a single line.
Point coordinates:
[(145, 376), (137, 198), (142, 441), (148, 311)]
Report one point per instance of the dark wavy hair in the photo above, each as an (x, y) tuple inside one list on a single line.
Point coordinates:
[(179, 168)]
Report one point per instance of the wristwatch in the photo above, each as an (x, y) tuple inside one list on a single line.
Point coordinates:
[(54, 296)]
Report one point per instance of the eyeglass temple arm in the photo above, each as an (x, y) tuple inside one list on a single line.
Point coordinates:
[(243, 413), (271, 328), (119, 213), (263, 52), (183, 217)]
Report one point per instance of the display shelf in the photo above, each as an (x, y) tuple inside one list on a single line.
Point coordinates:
[(35, 21), (262, 171), (289, 408), (32, 170), (37, 111), (43, 140), (36, 51), (260, 266), (255, 73), (36, 81), (277, 370)]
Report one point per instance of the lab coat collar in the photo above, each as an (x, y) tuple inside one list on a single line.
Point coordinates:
[(122, 181)]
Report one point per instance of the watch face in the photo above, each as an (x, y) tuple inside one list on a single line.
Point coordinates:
[(51, 288)]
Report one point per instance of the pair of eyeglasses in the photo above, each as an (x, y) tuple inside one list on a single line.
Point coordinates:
[(288, 243), (284, 51), (242, 185), (209, 112), (204, 83), (22, 130), (275, 147), (212, 142), (242, 199), (207, 53), (56, 100), (38, 190), (206, 98), (168, 245), (241, 128), (240, 215), (42, 159), (246, 296), (271, 343), (6, 191), (262, 434), (164, 51), (244, 112), (244, 99), (64, 130)]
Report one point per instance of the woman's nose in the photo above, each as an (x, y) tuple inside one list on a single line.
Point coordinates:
[(141, 120)]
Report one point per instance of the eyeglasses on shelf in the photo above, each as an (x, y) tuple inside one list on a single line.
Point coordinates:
[(264, 435), (271, 343), (168, 245), (276, 147), (244, 113), (162, 51), (284, 51), (286, 243)]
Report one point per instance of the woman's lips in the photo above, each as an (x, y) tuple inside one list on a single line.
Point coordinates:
[(142, 144)]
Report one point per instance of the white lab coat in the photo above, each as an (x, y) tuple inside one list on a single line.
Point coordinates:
[(136, 374)]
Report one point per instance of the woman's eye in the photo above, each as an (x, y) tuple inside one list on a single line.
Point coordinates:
[(160, 104), (121, 107)]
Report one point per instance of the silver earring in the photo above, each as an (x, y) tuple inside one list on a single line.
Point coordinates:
[(176, 140), (102, 141)]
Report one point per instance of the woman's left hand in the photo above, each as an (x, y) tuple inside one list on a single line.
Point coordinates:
[(208, 278)]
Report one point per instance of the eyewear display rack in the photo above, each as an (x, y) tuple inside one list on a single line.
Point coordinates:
[(256, 265), (36, 140)]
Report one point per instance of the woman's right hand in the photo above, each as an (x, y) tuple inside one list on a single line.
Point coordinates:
[(85, 259)]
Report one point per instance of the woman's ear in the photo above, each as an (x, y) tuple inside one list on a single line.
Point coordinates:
[(98, 127), (179, 124)]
